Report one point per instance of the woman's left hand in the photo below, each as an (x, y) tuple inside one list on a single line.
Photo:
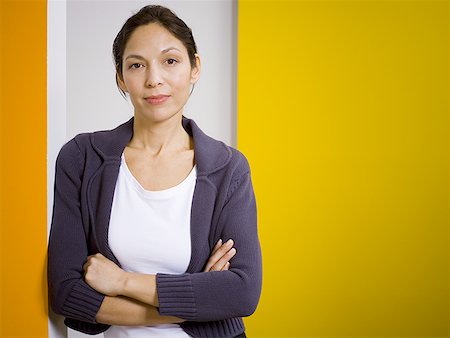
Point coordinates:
[(220, 256), (103, 275)]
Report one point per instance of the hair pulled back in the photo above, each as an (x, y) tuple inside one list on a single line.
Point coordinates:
[(153, 14)]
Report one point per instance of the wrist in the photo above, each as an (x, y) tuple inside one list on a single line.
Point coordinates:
[(141, 287), (125, 282)]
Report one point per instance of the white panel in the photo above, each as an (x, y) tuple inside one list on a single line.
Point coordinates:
[(56, 116)]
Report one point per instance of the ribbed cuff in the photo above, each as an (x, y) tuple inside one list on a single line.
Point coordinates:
[(84, 327), (83, 303), (176, 296), (225, 328)]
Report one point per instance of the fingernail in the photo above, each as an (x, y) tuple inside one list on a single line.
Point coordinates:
[(233, 251), (229, 242), (220, 241)]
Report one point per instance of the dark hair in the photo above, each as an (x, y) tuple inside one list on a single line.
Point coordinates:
[(153, 14)]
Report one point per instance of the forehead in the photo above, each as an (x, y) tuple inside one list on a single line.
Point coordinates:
[(152, 38)]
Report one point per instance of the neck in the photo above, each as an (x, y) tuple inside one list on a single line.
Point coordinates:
[(159, 137)]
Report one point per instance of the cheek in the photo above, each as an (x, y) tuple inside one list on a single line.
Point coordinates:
[(182, 82), (131, 83)]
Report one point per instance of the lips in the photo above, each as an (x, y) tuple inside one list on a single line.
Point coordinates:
[(157, 99)]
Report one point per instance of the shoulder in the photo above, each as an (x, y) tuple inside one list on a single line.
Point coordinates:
[(234, 171), (238, 162), (74, 152), (214, 157), (101, 143), (237, 171), (74, 148)]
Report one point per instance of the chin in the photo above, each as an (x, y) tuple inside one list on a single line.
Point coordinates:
[(159, 115)]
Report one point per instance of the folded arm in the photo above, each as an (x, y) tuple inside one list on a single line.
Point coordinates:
[(202, 296), (221, 295), (131, 297), (130, 312)]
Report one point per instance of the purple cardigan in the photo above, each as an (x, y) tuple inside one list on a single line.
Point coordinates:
[(212, 303)]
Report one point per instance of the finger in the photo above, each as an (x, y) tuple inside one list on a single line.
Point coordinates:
[(98, 255), (90, 260), (222, 250), (208, 266), (215, 255), (226, 266), (223, 260), (217, 246), (86, 265)]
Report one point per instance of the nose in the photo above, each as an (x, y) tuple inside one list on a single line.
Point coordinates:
[(154, 77)]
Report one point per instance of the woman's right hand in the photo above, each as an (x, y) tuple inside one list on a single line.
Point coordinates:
[(220, 256)]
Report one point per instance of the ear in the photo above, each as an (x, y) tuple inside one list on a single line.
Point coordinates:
[(195, 71), (121, 83)]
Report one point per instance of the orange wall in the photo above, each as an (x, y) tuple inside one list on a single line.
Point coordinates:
[(343, 113), (23, 293)]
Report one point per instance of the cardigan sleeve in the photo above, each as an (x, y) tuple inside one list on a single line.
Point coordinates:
[(208, 296), (69, 294)]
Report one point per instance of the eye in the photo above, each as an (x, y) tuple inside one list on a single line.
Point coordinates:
[(171, 61), (136, 66)]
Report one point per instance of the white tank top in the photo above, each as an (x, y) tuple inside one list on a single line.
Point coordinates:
[(149, 232)]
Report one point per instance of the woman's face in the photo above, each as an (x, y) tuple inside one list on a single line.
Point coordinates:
[(157, 73)]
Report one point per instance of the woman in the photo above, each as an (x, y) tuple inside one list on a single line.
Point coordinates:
[(140, 211)]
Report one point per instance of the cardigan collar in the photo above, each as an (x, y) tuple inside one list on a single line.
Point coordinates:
[(210, 154)]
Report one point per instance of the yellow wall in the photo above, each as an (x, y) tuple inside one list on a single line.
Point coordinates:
[(343, 113), (23, 240)]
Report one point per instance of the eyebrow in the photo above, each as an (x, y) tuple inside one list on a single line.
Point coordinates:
[(164, 51), (169, 49), (134, 56)]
